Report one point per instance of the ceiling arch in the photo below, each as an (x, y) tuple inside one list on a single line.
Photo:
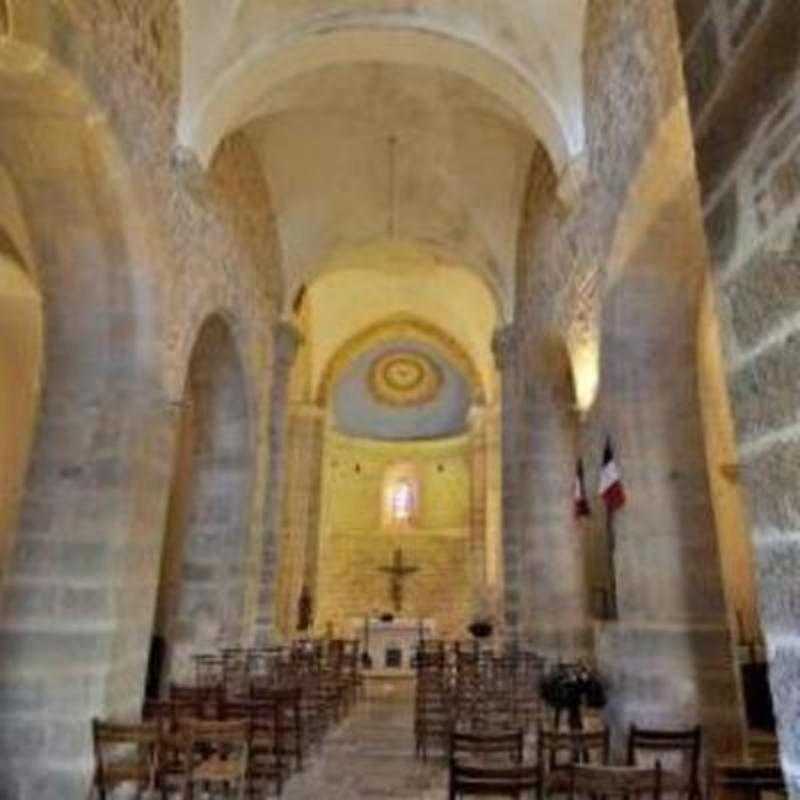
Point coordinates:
[(366, 287), (528, 55), (404, 328)]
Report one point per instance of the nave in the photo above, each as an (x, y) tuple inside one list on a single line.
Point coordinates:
[(371, 754), (313, 314)]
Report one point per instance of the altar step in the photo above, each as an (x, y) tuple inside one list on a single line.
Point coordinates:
[(371, 754)]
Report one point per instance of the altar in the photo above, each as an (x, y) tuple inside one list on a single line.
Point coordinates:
[(391, 645)]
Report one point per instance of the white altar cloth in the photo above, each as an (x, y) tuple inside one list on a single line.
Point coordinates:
[(391, 645)]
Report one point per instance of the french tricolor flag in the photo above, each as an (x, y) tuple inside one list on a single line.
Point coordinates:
[(581, 501), (611, 489)]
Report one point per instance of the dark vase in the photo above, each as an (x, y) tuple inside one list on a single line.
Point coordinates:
[(481, 629), (386, 617)]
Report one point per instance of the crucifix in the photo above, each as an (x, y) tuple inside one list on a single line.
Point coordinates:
[(397, 573)]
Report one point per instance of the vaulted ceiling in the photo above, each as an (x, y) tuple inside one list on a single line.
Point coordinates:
[(399, 120)]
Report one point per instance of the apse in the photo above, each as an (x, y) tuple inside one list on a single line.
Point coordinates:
[(401, 390)]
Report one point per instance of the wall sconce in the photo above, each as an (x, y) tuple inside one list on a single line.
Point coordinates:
[(584, 357)]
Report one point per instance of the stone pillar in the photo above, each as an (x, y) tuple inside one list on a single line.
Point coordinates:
[(504, 348), (669, 658), (555, 614), (477, 424), (301, 517), (286, 340)]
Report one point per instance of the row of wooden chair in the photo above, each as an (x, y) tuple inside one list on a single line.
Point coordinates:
[(559, 752), (492, 764), (242, 729), (231, 755)]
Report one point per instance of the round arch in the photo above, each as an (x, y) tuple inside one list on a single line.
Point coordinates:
[(235, 98), (21, 343), (87, 507), (401, 326), (201, 592), (352, 258)]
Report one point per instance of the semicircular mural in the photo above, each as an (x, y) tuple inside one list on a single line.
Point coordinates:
[(401, 390), (404, 377)]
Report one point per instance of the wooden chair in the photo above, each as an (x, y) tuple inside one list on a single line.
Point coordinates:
[(268, 764), (217, 754), (745, 780), (591, 780), (433, 720), (487, 748), (558, 751), (471, 781), (124, 753), (647, 745), (201, 702), (208, 670)]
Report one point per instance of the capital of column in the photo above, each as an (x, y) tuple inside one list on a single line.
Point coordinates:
[(504, 346), (572, 183), (188, 169), (287, 340)]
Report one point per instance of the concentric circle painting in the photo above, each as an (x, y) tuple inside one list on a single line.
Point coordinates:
[(404, 378)]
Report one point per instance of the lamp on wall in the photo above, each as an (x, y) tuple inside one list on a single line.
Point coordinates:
[(584, 354)]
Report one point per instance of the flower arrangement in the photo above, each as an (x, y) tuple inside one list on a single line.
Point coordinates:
[(567, 687)]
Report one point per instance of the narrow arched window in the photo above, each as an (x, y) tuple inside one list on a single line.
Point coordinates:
[(400, 496), (402, 501)]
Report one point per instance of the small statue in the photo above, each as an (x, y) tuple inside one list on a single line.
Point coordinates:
[(304, 609)]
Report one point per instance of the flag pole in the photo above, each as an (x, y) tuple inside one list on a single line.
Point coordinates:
[(611, 544)]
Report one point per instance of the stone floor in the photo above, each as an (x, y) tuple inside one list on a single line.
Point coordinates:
[(371, 754)]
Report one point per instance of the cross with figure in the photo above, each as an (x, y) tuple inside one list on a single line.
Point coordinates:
[(397, 573)]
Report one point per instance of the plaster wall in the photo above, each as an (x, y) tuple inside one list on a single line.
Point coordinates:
[(527, 54), (364, 287), (362, 152)]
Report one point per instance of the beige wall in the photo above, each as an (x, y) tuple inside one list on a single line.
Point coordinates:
[(354, 542)]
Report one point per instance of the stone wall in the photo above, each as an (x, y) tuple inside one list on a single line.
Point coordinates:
[(742, 70), (625, 263), (134, 250)]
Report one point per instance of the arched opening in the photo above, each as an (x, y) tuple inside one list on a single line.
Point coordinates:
[(21, 331), (401, 497), (80, 550), (201, 591)]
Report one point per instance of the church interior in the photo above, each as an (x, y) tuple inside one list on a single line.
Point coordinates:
[(372, 369)]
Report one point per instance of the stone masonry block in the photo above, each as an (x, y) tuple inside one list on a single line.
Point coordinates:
[(779, 571), (722, 227), (764, 294), (767, 476), (766, 391), (784, 674)]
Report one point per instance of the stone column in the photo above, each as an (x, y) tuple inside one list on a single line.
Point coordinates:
[(286, 340), (555, 611), (301, 498), (669, 658), (504, 348), (477, 423)]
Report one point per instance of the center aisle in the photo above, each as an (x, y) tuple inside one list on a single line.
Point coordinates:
[(371, 754)]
